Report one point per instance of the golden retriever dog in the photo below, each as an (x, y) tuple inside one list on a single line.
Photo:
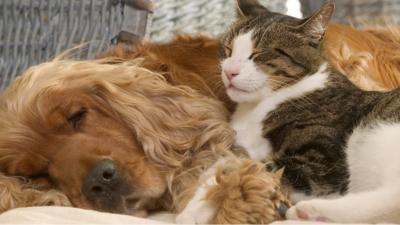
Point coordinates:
[(113, 136)]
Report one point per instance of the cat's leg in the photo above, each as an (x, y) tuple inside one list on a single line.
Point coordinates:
[(296, 196), (199, 210), (377, 206)]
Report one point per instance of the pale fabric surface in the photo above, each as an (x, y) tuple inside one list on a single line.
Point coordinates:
[(359, 12), (194, 16), (66, 215)]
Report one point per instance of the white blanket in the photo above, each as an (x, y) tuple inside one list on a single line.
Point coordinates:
[(67, 215)]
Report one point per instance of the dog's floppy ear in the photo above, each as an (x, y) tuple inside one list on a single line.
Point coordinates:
[(165, 119), (26, 164), (17, 148), (131, 100)]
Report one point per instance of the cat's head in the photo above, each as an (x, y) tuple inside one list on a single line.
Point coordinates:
[(265, 51)]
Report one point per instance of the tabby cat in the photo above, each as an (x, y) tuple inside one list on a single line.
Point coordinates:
[(339, 145)]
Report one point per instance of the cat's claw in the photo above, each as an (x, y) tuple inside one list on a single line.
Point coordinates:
[(306, 210)]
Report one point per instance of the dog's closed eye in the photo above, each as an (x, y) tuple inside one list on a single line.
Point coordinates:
[(76, 118)]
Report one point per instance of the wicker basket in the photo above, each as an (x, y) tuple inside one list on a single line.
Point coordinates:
[(359, 13), (33, 31), (194, 16)]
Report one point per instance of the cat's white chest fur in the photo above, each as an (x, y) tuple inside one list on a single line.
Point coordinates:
[(248, 118), (248, 126)]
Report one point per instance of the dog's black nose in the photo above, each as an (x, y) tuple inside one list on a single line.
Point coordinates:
[(104, 184)]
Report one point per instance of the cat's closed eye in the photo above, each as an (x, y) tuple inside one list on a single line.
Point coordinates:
[(251, 57), (254, 55)]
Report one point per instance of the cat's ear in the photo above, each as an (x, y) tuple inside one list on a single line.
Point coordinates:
[(315, 26), (249, 8)]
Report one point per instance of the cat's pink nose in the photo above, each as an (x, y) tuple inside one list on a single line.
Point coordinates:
[(230, 74)]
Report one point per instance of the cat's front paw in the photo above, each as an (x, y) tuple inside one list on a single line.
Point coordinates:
[(307, 210), (200, 213)]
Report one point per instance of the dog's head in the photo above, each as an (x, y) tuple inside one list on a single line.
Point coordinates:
[(105, 134)]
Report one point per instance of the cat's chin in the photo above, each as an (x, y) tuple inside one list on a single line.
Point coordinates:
[(238, 95)]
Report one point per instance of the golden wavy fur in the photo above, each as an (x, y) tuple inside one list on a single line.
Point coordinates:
[(62, 119), (369, 57), (186, 60), (168, 122), (250, 205), (14, 194)]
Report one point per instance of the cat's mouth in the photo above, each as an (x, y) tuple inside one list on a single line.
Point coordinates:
[(232, 87)]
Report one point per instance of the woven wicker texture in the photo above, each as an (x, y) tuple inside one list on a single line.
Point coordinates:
[(360, 12), (33, 31), (193, 16)]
